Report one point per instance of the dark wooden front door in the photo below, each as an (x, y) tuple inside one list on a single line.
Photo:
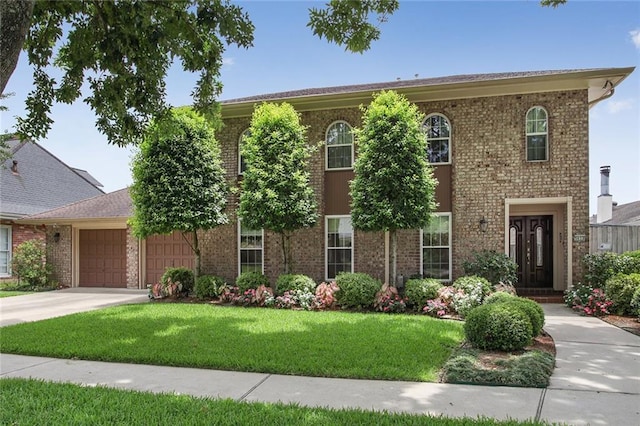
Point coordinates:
[(531, 246)]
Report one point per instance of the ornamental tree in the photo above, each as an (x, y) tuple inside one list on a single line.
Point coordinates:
[(276, 194), (178, 180), (123, 49), (394, 184)]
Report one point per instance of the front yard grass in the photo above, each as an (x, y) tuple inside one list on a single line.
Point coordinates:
[(32, 402), (326, 344), (9, 293)]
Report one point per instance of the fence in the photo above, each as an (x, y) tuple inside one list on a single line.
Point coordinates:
[(613, 238)]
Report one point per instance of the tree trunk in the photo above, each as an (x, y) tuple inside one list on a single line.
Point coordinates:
[(286, 252), (196, 250), (16, 19), (393, 234)]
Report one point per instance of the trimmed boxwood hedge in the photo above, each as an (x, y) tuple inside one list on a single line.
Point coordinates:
[(498, 326)]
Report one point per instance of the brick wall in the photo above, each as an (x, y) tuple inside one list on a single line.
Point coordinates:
[(488, 166), (21, 233), (133, 254), (59, 254)]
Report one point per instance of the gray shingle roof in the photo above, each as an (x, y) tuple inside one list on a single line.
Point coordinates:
[(625, 214), (369, 87), (42, 182), (85, 174), (115, 204)]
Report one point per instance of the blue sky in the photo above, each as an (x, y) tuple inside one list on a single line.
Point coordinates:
[(426, 38)]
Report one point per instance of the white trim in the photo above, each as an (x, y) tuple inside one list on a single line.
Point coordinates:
[(326, 243), (450, 147), (527, 134), (422, 247), (239, 235), (326, 147), (9, 250), (240, 171)]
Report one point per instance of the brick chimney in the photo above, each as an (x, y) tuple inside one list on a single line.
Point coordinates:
[(605, 199)]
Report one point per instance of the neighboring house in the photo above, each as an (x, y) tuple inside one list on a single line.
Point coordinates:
[(33, 180), (510, 153), (615, 228)]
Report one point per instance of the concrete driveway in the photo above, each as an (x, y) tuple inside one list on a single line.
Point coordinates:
[(49, 304)]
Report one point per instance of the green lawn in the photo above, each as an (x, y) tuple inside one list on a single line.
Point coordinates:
[(8, 293), (331, 344), (31, 402)]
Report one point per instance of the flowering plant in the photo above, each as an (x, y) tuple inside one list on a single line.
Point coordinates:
[(391, 304), (325, 295), (436, 308), (596, 304), (295, 299)]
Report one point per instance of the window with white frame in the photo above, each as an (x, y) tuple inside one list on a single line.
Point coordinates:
[(242, 165), (436, 248), (339, 146), (5, 251), (438, 133), (537, 129), (339, 245), (250, 253)]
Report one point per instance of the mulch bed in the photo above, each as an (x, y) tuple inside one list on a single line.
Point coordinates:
[(630, 324)]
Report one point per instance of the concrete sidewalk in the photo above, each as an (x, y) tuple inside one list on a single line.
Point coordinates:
[(596, 382)]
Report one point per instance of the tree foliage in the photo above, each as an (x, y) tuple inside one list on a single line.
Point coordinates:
[(394, 187), (276, 194), (178, 179)]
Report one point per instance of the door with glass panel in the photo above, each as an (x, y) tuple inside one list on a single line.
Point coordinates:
[(531, 247)]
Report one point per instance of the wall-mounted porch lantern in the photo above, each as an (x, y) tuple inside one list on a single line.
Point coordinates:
[(483, 224)]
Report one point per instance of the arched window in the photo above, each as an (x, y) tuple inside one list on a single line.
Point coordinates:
[(242, 166), (438, 132), (339, 146), (537, 134)]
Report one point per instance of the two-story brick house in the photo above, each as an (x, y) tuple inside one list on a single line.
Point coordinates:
[(510, 153)]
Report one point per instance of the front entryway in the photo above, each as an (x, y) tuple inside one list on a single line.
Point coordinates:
[(531, 247)]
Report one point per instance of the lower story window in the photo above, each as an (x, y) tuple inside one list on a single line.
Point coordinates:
[(339, 246), (436, 248), (250, 249), (5, 251)]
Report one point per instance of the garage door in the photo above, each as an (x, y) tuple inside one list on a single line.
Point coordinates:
[(103, 259), (164, 251)]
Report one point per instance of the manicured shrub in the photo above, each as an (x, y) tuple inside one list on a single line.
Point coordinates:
[(292, 282), (620, 289), (209, 286), (251, 280), (498, 297), (356, 290), (635, 302), (493, 266), (29, 264), (181, 278), (600, 267), (532, 309), (418, 291), (498, 326)]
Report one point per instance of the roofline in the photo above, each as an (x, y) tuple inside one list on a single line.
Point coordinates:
[(75, 221), (592, 80)]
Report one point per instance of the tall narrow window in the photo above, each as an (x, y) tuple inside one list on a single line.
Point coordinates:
[(242, 166), (438, 132), (512, 243), (339, 246), (339, 146), (537, 134), (436, 248), (250, 256), (5, 251)]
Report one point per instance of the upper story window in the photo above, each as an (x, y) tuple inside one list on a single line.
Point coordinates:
[(537, 134), (339, 146), (438, 132), (242, 165)]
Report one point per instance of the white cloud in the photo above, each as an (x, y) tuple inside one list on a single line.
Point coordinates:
[(228, 61), (635, 37), (614, 107)]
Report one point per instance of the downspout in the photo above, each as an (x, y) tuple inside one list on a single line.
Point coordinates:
[(607, 95)]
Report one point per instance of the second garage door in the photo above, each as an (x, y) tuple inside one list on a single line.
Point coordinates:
[(164, 251), (103, 260)]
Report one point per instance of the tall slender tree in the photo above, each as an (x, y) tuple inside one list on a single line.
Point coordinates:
[(178, 180), (394, 186), (276, 194)]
